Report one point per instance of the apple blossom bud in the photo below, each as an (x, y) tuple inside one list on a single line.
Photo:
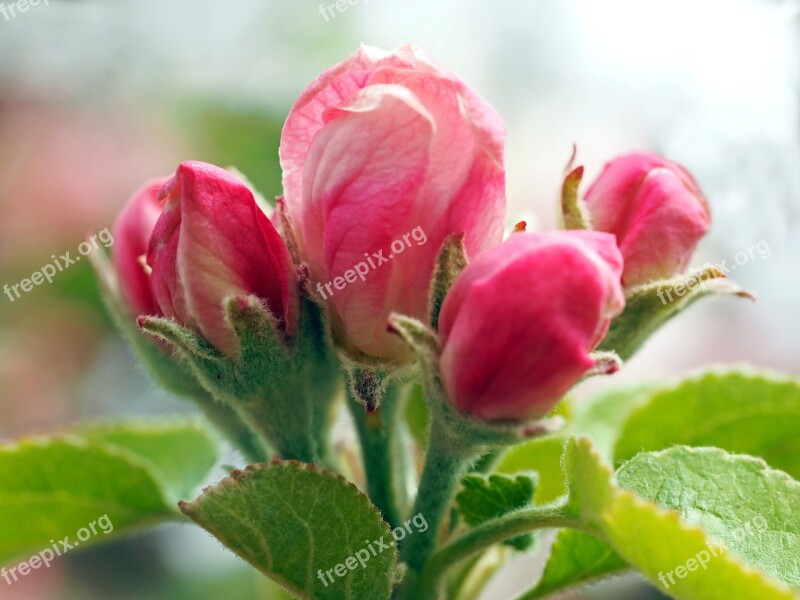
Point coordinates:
[(132, 231), (655, 209), (519, 324), (213, 242), (384, 156)]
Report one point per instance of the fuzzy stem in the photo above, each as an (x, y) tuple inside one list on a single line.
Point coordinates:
[(376, 431), (426, 586), (446, 462), (232, 427), (291, 443)]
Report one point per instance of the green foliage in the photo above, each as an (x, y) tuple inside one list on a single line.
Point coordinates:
[(740, 411), (698, 522), (738, 500), (54, 486), (743, 412), (182, 453), (297, 523), (599, 418), (281, 389), (170, 373), (576, 559), (484, 498), (657, 541)]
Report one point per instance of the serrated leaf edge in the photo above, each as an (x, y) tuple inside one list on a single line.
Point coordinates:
[(627, 502), (619, 497), (235, 477)]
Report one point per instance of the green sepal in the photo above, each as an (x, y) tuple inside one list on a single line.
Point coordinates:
[(456, 441), (649, 306), (572, 210), (461, 428), (451, 261), (365, 385), (283, 389), (289, 236), (169, 371)]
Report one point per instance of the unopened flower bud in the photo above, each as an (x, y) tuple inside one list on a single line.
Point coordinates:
[(519, 324)]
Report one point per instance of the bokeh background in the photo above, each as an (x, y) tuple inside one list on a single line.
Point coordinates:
[(96, 97)]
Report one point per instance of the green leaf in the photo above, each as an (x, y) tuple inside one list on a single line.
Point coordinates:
[(742, 412), (600, 418), (52, 487), (181, 453), (659, 542), (576, 559), (752, 509), (298, 524), (544, 456), (484, 498)]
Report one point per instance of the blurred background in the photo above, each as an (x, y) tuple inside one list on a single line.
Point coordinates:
[(96, 97)]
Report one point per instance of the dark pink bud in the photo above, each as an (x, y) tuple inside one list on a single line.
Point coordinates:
[(213, 242), (519, 324)]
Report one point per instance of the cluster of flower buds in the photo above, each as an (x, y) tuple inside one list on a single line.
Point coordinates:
[(387, 158)]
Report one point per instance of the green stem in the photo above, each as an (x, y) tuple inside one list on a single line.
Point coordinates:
[(446, 462), (483, 536), (376, 431), (293, 446), (283, 419), (230, 425)]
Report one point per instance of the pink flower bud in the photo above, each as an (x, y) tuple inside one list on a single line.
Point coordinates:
[(132, 231), (518, 325), (656, 210), (384, 156), (212, 242)]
